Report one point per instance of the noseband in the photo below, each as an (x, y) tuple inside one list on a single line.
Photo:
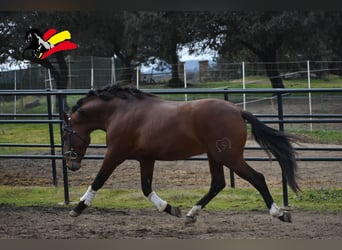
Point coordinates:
[(71, 153)]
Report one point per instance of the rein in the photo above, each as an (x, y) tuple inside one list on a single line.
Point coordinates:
[(71, 153)]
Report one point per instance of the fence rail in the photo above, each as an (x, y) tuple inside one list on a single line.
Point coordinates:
[(50, 119)]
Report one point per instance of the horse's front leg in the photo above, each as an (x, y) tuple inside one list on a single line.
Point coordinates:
[(146, 170), (106, 170)]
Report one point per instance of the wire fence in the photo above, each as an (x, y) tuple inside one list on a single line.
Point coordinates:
[(88, 72)]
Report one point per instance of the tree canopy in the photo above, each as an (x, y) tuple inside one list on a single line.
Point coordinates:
[(135, 36), (269, 37)]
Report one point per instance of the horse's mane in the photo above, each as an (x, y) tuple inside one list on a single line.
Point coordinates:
[(109, 92)]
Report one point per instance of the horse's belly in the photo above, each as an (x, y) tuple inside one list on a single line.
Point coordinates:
[(171, 155), (170, 150)]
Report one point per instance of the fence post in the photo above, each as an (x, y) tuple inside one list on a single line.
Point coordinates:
[(15, 96), (281, 128), (113, 76), (185, 83), (309, 87), (244, 85), (65, 170), (92, 73), (138, 71), (50, 83), (231, 172), (52, 139)]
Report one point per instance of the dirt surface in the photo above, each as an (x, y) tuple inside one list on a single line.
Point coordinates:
[(54, 222), (172, 174)]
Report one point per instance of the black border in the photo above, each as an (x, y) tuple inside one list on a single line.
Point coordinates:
[(176, 5)]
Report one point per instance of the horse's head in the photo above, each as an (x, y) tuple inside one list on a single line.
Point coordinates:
[(32, 35), (75, 142)]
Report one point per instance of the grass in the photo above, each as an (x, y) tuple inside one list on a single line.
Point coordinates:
[(35, 134), (331, 81), (242, 199), (320, 136)]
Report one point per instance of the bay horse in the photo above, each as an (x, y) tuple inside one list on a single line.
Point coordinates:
[(146, 128)]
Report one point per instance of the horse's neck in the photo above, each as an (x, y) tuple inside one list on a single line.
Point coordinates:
[(111, 111), (95, 124)]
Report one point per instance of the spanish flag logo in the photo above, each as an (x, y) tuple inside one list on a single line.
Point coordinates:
[(50, 42)]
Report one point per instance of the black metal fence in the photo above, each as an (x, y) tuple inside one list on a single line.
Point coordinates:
[(50, 118)]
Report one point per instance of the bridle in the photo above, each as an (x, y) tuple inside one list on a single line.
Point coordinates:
[(71, 153)]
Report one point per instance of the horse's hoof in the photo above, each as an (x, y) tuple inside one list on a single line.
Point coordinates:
[(78, 209), (175, 211), (73, 213), (286, 217), (190, 220)]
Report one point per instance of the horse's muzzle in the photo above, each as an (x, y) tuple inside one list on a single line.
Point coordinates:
[(73, 165)]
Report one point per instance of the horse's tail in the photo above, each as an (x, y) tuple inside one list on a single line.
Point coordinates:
[(278, 143)]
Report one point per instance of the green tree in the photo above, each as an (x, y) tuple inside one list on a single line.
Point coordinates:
[(263, 33), (132, 36), (268, 35), (119, 33), (331, 22), (167, 32)]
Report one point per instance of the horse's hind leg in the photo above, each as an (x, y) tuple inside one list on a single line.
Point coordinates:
[(146, 170), (217, 184), (257, 179)]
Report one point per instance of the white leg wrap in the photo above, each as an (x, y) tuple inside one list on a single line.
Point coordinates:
[(275, 211), (157, 201), (194, 211), (88, 196)]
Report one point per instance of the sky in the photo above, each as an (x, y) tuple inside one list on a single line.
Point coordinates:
[(185, 56), (191, 61)]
